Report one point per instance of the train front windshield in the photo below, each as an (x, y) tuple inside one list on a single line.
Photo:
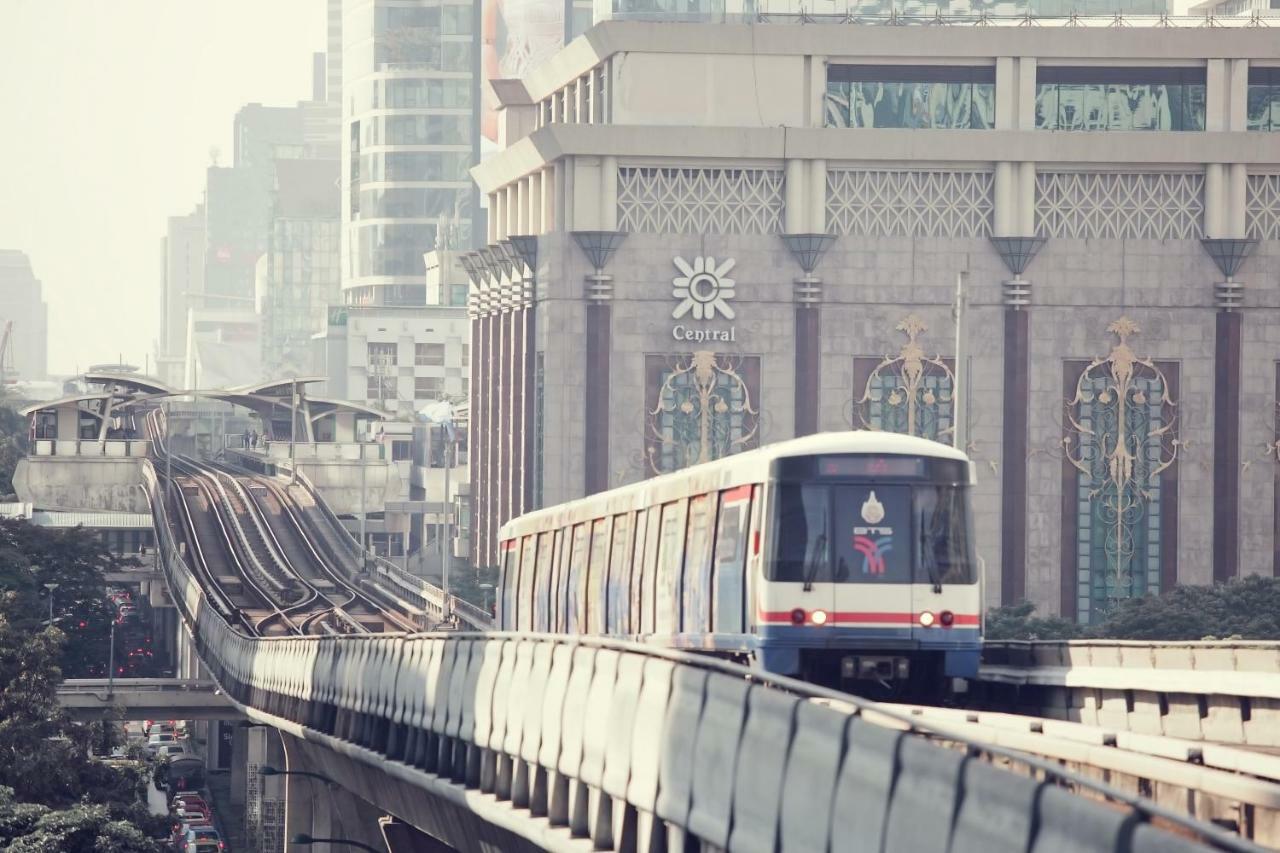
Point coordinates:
[(865, 530)]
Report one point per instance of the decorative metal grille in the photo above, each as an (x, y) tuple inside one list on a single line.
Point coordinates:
[(1115, 205), (703, 412), (700, 201), (1262, 207), (1120, 438), (910, 203), (909, 393)]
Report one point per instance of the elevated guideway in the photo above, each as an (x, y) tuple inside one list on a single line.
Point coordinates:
[(491, 741)]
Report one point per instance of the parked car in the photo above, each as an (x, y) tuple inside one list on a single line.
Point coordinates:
[(155, 741), (188, 797), (202, 835)]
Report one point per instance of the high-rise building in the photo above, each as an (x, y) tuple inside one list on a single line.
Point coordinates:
[(410, 134), (182, 264), (297, 277), (24, 320)]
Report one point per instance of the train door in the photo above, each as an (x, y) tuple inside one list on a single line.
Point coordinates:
[(524, 617), (729, 580), (873, 557), (542, 581)]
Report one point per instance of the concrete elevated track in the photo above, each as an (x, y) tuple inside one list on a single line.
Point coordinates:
[(504, 742)]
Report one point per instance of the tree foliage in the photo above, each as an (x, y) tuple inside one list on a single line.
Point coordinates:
[(32, 556), (13, 446), (1244, 608)]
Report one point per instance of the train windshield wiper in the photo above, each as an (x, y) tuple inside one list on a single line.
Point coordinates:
[(929, 558), (817, 560)]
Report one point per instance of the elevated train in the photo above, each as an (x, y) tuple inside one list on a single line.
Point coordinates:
[(842, 558)]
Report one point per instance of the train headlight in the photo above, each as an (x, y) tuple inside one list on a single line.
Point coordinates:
[(946, 617), (926, 619), (818, 617), (797, 616)]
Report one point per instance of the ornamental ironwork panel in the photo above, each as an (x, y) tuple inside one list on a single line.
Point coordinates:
[(1120, 205), (1121, 440), (908, 393), (700, 407), (700, 201), (903, 203), (1262, 207)]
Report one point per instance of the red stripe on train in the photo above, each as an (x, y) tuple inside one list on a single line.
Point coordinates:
[(877, 617)]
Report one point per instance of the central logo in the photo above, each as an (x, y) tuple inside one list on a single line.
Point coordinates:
[(872, 551), (703, 289)]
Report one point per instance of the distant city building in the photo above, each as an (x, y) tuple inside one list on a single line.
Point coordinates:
[(182, 265), (396, 359), (410, 132), (1222, 8), (447, 282), (24, 317), (297, 276), (224, 348), (708, 237)]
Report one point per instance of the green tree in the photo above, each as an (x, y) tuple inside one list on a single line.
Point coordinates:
[(1019, 622), (13, 445), (32, 556)]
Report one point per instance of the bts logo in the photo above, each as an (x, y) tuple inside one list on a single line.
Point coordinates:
[(872, 550)]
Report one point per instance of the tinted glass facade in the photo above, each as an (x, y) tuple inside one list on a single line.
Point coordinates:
[(1095, 99), (1264, 99), (908, 96)]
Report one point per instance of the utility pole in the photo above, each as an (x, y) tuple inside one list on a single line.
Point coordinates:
[(959, 417), (293, 428), (444, 527), (111, 662)]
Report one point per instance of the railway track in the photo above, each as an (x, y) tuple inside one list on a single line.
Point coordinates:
[(252, 552)]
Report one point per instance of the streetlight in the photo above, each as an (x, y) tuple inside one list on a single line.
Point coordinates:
[(111, 662), (306, 840), (51, 587)]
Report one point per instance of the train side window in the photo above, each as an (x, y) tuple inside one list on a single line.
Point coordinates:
[(511, 559), (731, 560), (542, 582), (649, 581), (525, 609), (596, 579), (559, 571), (696, 580), (635, 613), (616, 592), (577, 568), (666, 609)]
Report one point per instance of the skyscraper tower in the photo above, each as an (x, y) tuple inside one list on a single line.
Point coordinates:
[(410, 87)]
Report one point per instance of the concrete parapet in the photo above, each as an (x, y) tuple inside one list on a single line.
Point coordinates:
[(81, 483)]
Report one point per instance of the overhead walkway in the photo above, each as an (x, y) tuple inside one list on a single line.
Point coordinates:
[(145, 699)]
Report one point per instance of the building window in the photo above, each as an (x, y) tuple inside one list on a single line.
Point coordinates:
[(46, 425), (700, 407), (382, 389), (383, 354), (910, 393), (428, 355), (401, 451), (1264, 99), (1121, 446), (1120, 98), (427, 387), (910, 96)]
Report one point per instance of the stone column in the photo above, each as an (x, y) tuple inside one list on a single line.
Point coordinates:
[(1229, 254), (474, 267), (599, 247), (1017, 254), (526, 249), (807, 249)]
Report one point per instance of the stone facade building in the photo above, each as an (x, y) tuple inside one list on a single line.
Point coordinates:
[(703, 238)]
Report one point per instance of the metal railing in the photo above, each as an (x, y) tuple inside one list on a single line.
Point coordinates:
[(81, 447)]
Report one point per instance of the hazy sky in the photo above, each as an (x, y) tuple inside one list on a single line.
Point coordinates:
[(109, 111)]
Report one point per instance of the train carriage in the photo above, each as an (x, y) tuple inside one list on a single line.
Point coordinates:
[(840, 557)]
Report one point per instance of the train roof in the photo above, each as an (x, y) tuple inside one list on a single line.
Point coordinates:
[(751, 464)]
